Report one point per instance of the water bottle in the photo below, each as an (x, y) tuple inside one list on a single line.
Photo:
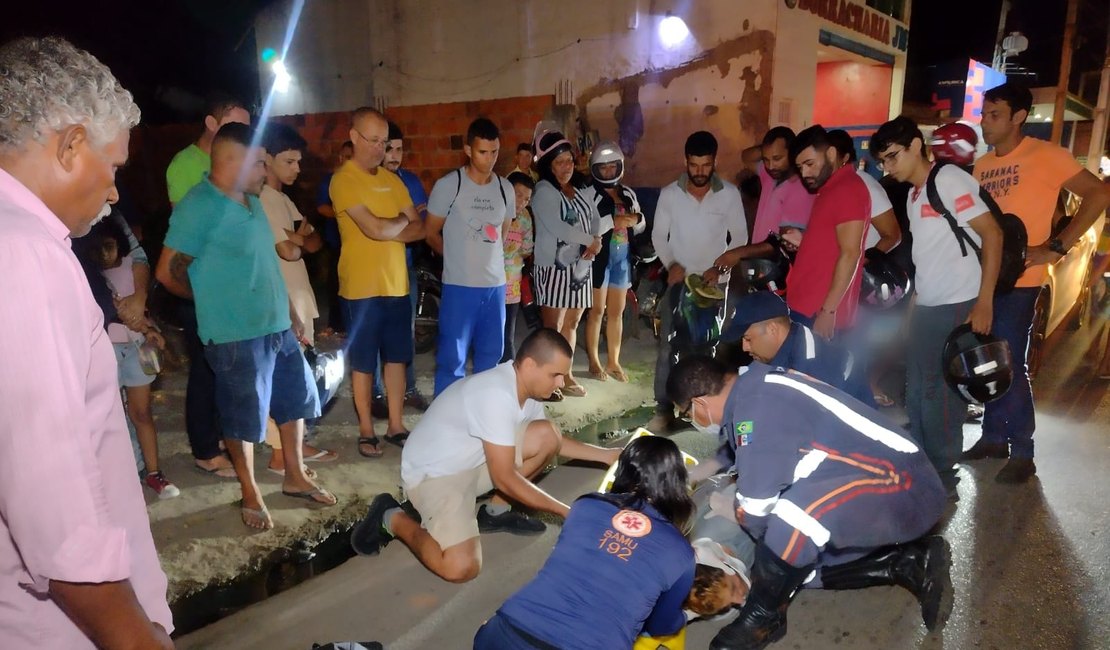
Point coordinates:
[(150, 357)]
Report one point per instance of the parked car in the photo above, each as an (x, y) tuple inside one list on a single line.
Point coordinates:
[(1066, 294)]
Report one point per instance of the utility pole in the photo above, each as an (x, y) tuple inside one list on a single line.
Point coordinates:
[(1065, 71), (1098, 129), (999, 62)]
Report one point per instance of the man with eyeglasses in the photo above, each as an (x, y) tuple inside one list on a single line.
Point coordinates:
[(376, 218), (824, 283), (950, 288), (835, 495)]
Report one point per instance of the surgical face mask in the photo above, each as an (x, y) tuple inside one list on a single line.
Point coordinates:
[(712, 428)]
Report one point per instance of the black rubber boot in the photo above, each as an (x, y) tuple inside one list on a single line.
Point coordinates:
[(762, 619), (921, 567)]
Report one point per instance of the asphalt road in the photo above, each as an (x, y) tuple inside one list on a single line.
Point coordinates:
[(1031, 563)]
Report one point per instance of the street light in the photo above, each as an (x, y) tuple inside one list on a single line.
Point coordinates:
[(673, 30), (281, 76)]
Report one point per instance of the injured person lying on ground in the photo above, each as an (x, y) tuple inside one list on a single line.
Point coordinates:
[(832, 494)]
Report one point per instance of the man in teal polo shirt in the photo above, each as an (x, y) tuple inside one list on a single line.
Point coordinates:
[(219, 251), (186, 170)]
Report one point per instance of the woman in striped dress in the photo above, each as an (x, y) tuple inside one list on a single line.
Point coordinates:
[(567, 239)]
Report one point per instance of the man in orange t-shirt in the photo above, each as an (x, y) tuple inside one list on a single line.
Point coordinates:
[(1025, 176)]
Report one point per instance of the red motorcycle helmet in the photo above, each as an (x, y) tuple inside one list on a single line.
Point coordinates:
[(955, 143)]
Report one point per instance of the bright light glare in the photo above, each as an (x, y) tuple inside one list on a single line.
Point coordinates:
[(672, 31), (281, 76)]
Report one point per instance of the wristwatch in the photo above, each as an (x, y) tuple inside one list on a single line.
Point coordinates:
[(1057, 246)]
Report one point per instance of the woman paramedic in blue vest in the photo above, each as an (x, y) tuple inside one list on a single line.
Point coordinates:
[(621, 567)]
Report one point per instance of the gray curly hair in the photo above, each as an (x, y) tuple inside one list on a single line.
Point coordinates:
[(47, 84)]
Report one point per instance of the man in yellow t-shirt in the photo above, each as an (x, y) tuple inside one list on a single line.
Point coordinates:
[(376, 218), (1025, 176)]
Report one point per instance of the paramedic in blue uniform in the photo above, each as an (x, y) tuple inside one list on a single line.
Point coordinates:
[(621, 567), (835, 495), (763, 326)]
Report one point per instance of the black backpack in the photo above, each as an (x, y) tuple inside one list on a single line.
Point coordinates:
[(458, 188), (1014, 237)]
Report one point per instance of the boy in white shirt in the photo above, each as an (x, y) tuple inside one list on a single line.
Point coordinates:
[(950, 288)]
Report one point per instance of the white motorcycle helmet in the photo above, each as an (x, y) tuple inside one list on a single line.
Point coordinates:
[(607, 152)]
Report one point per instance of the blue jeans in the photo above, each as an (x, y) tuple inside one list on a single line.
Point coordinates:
[(471, 319), (936, 411), (1011, 419), (410, 369)]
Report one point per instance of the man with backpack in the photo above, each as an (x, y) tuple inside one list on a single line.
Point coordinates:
[(1025, 176), (467, 213), (952, 288)]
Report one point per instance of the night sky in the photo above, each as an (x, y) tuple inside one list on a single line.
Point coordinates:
[(196, 47), (943, 30)]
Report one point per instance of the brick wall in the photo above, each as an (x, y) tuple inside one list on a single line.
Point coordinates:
[(433, 147), (434, 134)]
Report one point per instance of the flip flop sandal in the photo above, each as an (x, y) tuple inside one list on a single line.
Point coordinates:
[(322, 456), (574, 390), (309, 473), (599, 375), (220, 472), (310, 496), (619, 375), (397, 438), (261, 514), (370, 440)]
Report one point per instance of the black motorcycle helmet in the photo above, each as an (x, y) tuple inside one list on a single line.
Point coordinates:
[(766, 273), (977, 366), (884, 283)]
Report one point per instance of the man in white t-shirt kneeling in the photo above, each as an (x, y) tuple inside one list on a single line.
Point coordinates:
[(486, 432), (950, 288)]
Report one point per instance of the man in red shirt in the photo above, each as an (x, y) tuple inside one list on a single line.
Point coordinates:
[(822, 289)]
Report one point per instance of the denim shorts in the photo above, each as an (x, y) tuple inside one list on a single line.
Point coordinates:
[(378, 325), (259, 378), (618, 270), (131, 373)]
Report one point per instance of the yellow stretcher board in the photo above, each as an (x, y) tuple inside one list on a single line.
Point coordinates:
[(675, 641), (607, 480)]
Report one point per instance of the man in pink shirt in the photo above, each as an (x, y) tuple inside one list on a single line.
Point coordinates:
[(784, 199), (78, 568), (784, 206)]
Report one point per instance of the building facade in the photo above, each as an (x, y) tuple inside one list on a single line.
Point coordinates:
[(643, 72)]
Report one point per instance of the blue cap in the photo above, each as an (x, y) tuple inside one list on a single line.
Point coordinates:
[(751, 309)]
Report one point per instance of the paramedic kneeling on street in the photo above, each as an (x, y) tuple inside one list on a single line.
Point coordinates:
[(835, 495), (483, 433)]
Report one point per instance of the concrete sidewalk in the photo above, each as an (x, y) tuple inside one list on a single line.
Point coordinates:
[(199, 535)]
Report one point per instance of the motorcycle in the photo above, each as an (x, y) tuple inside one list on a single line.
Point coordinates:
[(649, 282), (429, 291)]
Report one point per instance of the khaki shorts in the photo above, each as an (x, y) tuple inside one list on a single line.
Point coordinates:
[(447, 504)]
